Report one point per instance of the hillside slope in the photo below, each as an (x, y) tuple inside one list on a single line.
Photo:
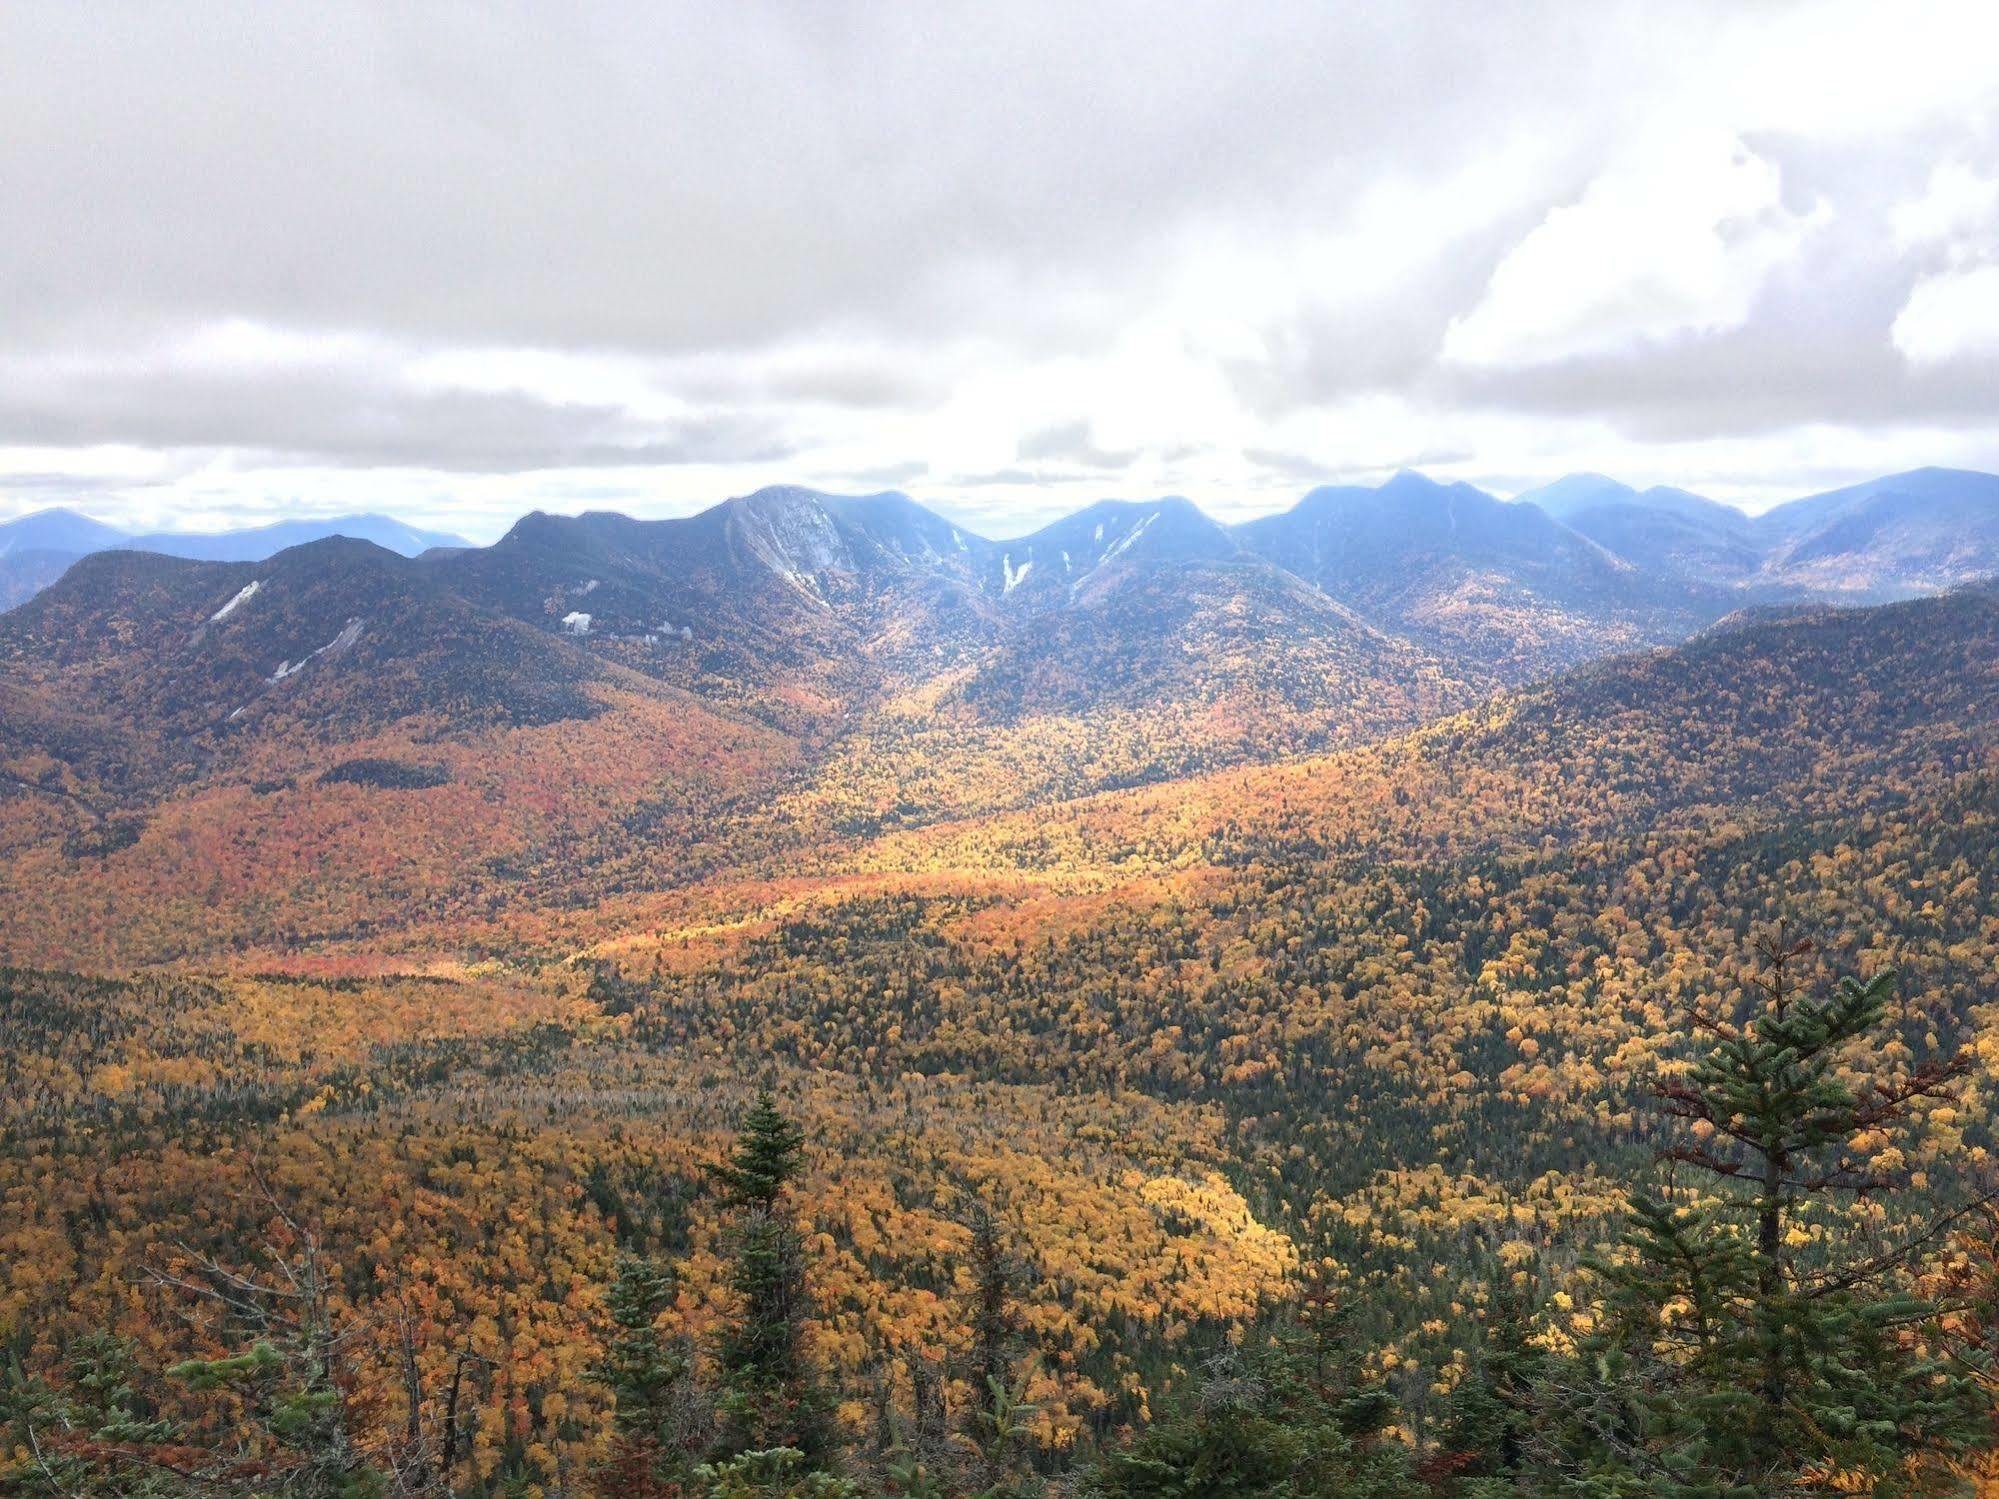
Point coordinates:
[(190, 751), (1502, 586), (1396, 1007)]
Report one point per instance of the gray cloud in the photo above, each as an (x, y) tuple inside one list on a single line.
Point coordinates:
[(681, 177), (1301, 469), (1297, 468), (888, 476), (1071, 442), (1008, 478), (920, 242), (29, 483), (347, 419), (1816, 346)]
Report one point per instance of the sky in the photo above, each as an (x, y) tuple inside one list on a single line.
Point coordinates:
[(457, 261)]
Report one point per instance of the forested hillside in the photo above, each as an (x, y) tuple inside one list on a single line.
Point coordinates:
[(1359, 1052)]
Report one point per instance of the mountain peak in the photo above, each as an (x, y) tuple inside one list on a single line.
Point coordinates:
[(57, 530), (774, 495), (1409, 481), (1573, 493), (1060, 558)]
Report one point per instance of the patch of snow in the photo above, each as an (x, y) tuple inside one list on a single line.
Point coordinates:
[(1100, 532), (243, 596), (807, 584), (1065, 562), (1014, 578), (576, 622), (1124, 542), (957, 538), (349, 633), (587, 589), (789, 532)]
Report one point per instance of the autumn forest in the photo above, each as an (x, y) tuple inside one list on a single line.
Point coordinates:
[(781, 1006)]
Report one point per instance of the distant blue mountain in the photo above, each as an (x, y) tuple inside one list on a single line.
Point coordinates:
[(1574, 493), (1580, 494), (36, 549), (1907, 533), (258, 542), (1902, 534), (58, 531), (1584, 564), (1663, 530), (1971, 494)]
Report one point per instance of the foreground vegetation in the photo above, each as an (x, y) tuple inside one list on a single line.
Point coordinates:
[(1779, 1312)]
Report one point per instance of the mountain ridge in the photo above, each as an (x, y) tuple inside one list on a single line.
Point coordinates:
[(813, 613), (36, 548), (1915, 531)]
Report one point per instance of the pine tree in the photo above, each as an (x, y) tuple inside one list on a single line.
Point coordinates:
[(293, 1373), (1299, 1416), (638, 1367), (90, 1436), (999, 1404), (1728, 1363), (642, 1372), (775, 1473), (764, 1159), (770, 1391)]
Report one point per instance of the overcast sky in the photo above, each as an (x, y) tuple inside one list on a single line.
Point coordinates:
[(457, 261)]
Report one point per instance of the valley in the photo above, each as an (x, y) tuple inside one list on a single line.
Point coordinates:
[(1225, 908)]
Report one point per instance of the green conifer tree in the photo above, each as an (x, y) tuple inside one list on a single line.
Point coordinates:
[(770, 1395), (642, 1371), (999, 1412), (1490, 1419), (1297, 1417), (764, 1159), (89, 1436), (1730, 1363)]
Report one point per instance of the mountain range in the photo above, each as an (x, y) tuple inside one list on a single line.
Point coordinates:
[(1409, 537), (1908, 533), (1127, 643), (38, 548), (791, 671)]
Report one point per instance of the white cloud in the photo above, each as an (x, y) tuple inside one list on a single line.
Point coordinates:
[(1676, 241), (459, 260), (1849, 69), (1957, 202), (1951, 316)]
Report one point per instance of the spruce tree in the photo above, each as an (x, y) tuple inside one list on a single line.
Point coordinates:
[(295, 1374), (1298, 1417), (638, 1367), (90, 1436), (770, 1393), (1731, 1362), (643, 1373), (999, 1403), (764, 1159)]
